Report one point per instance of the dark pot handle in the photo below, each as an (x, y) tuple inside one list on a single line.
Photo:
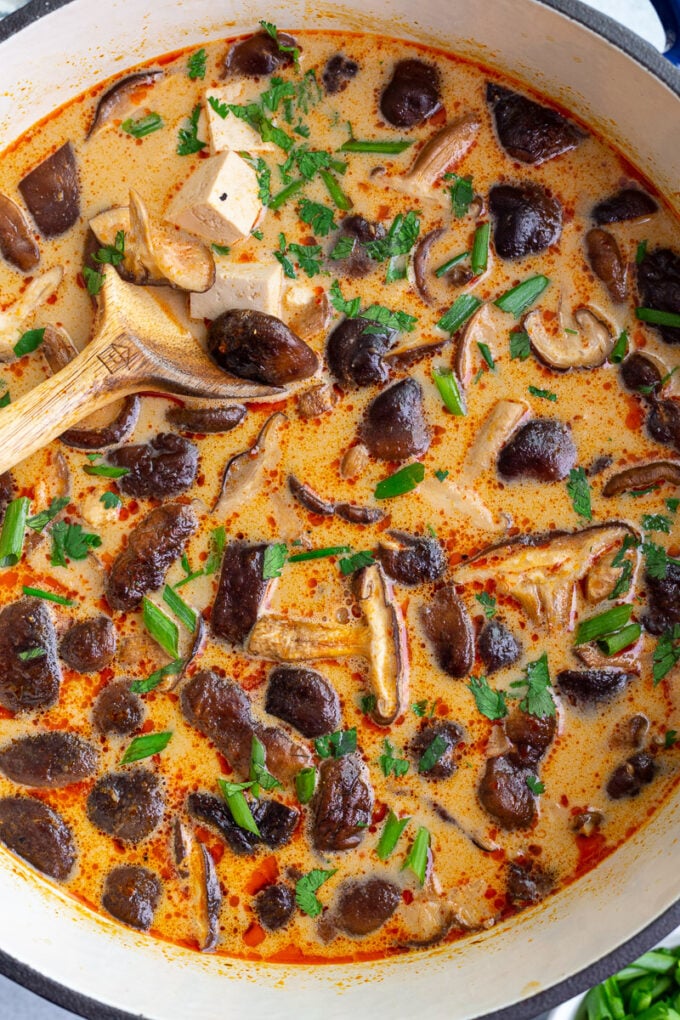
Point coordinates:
[(669, 14)]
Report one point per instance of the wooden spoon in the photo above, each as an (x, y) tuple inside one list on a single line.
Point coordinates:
[(137, 345)]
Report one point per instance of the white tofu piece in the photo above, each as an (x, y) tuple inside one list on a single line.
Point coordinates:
[(249, 285), (231, 133), (219, 202)]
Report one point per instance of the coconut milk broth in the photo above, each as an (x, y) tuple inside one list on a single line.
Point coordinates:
[(605, 420)]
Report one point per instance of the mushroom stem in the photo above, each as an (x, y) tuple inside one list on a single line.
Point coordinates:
[(439, 154), (285, 640)]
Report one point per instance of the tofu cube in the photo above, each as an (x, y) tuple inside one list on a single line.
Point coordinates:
[(219, 202), (231, 133), (240, 285)]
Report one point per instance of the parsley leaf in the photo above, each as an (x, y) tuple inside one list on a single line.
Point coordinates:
[(419, 708), (188, 141), (39, 521), (93, 280), (488, 604), (656, 559), (670, 739), (440, 475), (673, 502), (461, 194), (390, 764), (666, 653), (319, 217), (274, 559), (489, 702), (348, 308), (535, 785), (196, 65), (656, 522), (306, 887), (272, 31), (579, 492), (538, 700), (622, 586), (111, 500), (367, 703), (338, 744), (383, 317), (348, 564), (69, 541), (344, 247), (520, 345), (545, 394), (433, 753), (263, 174), (399, 240)]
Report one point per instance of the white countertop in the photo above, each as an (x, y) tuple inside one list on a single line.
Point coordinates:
[(15, 1002)]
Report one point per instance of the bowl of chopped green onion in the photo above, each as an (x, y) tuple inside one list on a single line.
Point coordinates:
[(647, 989)]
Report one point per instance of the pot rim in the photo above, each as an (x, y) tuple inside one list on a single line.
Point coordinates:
[(91, 1009)]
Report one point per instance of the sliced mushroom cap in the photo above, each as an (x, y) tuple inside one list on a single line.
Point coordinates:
[(12, 319), (439, 154), (607, 261), (255, 345), (641, 476), (115, 432), (541, 571), (388, 662), (394, 426), (155, 255), (17, 243), (500, 423), (448, 626), (485, 327), (245, 471), (588, 348), (206, 895), (117, 94), (52, 192)]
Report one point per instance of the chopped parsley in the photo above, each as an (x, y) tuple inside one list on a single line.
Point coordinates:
[(657, 522), (673, 502), (670, 739), (441, 475), (367, 703), (111, 500), (543, 394), (196, 65), (336, 745), (264, 177), (144, 126), (188, 141), (70, 542), (319, 217), (349, 308), (538, 700), (535, 785), (399, 240), (420, 708), (39, 521), (272, 31), (578, 488), (348, 564), (520, 345), (666, 653), (344, 247), (274, 559), (489, 702), (488, 604), (306, 888), (32, 653), (390, 764), (461, 193), (656, 559)]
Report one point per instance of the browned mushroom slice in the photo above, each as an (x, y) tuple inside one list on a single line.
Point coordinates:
[(485, 327), (255, 345), (115, 432), (420, 260), (206, 895), (17, 243), (117, 94), (309, 499), (38, 834), (155, 255), (607, 261), (244, 473), (589, 347), (448, 626), (359, 514), (496, 429), (439, 154), (641, 476), (628, 661), (241, 591), (52, 192), (411, 559), (627, 204), (206, 420), (541, 571), (318, 400), (379, 638)]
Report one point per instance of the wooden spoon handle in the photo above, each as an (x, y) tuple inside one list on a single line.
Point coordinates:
[(102, 372)]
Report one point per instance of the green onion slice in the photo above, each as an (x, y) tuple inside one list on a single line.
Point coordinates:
[(282, 196), (305, 784), (29, 342), (401, 482), (390, 835), (319, 554), (447, 384), (519, 298), (389, 148), (238, 805), (106, 470), (152, 681), (416, 859), (338, 196), (479, 258), (658, 318), (161, 628), (620, 639), (620, 348), (459, 312), (605, 623), (182, 611), (145, 746), (13, 528), (48, 596), (446, 266)]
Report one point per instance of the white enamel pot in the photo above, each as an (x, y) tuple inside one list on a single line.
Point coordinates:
[(51, 51)]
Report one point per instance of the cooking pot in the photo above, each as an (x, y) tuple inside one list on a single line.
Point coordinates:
[(51, 51)]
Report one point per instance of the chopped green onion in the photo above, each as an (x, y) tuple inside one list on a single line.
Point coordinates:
[(338, 196), (145, 746), (29, 342), (319, 554), (13, 528), (390, 835), (182, 611), (613, 643), (604, 623), (620, 348), (144, 126), (48, 596), (152, 681), (41, 520), (259, 775), (487, 355), (416, 859), (641, 251), (433, 753), (401, 482), (446, 266), (543, 394), (161, 628), (658, 318), (480, 249), (32, 653), (238, 805), (459, 312), (447, 384), (282, 196), (388, 148), (218, 540), (519, 298), (305, 784), (106, 470)]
